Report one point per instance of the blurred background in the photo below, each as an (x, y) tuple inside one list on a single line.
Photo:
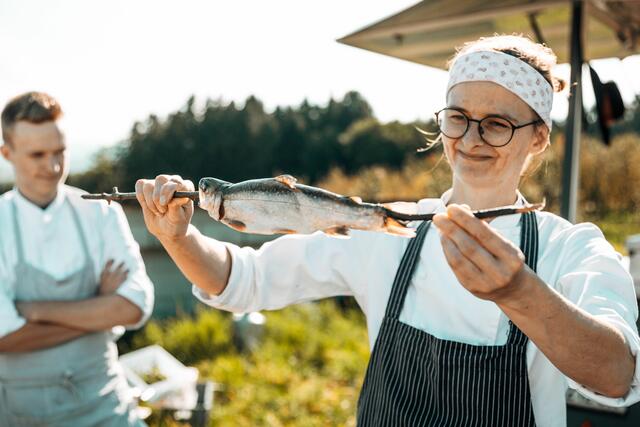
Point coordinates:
[(248, 89)]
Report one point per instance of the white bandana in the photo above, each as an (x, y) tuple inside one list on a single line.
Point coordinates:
[(509, 72)]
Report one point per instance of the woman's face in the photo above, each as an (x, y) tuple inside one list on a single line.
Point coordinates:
[(477, 164)]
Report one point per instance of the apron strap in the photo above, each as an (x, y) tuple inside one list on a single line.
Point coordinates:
[(529, 239), (405, 271), (16, 232), (76, 220), (529, 246)]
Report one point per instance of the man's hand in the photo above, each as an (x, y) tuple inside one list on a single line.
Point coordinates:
[(28, 310), (38, 336), (111, 278), (166, 218)]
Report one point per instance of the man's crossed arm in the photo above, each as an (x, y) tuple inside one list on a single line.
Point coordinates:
[(50, 323)]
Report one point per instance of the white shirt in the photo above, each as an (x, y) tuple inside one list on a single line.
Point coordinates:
[(52, 243), (575, 260)]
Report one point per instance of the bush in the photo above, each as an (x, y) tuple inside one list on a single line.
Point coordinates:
[(190, 340), (307, 371)]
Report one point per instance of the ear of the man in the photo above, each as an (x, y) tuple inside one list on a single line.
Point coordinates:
[(6, 151)]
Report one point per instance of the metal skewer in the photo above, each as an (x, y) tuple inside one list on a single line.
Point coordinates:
[(115, 195), (483, 213)]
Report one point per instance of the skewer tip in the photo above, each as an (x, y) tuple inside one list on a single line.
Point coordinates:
[(533, 206)]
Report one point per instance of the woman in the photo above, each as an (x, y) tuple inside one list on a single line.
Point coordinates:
[(471, 322)]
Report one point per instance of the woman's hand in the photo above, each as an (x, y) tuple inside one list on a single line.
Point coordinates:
[(485, 263), (165, 217), (111, 278)]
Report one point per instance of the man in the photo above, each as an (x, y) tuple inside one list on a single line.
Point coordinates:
[(70, 272)]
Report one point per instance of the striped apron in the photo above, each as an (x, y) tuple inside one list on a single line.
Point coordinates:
[(416, 379)]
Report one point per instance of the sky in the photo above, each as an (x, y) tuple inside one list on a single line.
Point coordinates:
[(113, 63)]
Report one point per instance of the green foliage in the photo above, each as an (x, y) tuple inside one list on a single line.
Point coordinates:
[(101, 177), (307, 370), (189, 340), (232, 143), (368, 142)]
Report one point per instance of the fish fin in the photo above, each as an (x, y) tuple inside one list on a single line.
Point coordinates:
[(402, 207), (394, 227), (356, 199), (340, 231), (287, 180), (236, 225), (285, 231)]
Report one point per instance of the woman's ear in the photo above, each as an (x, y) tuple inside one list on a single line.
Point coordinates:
[(541, 140)]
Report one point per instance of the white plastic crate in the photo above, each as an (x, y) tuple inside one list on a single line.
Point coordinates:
[(177, 389)]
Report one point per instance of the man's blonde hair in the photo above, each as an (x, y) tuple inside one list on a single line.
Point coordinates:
[(32, 107)]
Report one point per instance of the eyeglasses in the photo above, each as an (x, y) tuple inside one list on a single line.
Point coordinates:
[(496, 131)]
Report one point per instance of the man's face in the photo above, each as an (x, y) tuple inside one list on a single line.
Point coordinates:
[(38, 155)]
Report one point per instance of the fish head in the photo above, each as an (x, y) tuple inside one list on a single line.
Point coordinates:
[(210, 190)]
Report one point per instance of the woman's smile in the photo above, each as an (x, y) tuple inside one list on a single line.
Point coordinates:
[(474, 157)]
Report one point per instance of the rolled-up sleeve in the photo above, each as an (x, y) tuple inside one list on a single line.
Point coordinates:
[(10, 320), (290, 270), (594, 278), (122, 247)]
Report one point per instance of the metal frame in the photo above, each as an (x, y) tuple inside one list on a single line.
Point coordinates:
[(571, 162)]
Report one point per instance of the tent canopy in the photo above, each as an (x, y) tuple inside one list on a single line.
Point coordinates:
[(428, 32)]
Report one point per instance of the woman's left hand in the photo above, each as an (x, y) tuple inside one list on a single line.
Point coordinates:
[(485, 263)]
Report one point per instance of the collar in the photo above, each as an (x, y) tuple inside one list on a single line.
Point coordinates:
[(25, 205)]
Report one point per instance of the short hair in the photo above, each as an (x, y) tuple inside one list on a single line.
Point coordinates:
[(32, 107)]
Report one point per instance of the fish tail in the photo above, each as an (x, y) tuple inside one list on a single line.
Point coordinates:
[(394, 227)]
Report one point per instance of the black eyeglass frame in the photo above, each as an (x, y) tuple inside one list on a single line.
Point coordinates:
[(480, 130)]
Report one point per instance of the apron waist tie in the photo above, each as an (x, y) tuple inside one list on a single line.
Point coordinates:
[(64, 378)]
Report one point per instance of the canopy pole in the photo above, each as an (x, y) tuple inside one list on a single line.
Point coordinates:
[(571, 166)]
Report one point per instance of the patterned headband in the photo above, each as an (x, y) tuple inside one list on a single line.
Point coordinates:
[(509, 72)]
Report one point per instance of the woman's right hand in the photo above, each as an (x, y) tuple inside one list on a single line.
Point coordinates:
[(165, 217)]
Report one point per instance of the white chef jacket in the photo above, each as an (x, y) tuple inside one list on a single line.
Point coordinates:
[(575, 260), (52, 243)]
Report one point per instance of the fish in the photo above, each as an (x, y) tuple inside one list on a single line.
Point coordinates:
[(282, 206)]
